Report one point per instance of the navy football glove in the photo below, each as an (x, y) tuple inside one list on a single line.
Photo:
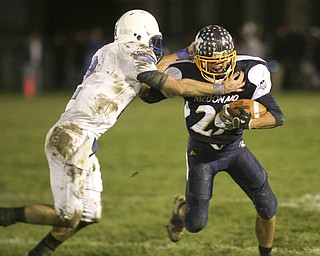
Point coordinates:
[(236, 121)]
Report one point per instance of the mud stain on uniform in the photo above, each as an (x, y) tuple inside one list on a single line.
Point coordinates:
[(103, 103), (61, 140), (143, 58), (74, 172), (117, 90)]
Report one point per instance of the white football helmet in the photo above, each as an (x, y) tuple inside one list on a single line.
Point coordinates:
[(140, 25)]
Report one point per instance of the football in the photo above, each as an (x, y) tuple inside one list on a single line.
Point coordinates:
[(253, 108)]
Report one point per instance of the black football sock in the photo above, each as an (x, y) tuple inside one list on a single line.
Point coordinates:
[(9, 216), (265, 251), (46, 246), (18, 213)]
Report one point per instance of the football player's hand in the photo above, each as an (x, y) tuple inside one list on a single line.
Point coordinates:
[(191, 49), (144, 91), (235, 82), (236, 121)]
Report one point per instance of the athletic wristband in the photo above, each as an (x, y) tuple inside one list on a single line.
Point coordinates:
[(183, 54), (219, 89)]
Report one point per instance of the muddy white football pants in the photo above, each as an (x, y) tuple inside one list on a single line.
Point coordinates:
[(75, 175)]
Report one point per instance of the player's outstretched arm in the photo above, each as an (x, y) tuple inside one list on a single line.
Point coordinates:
[(187, 87)]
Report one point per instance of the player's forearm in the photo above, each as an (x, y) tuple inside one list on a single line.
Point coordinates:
[(179, 87), (183, 87), (188, 87), (264, 122)]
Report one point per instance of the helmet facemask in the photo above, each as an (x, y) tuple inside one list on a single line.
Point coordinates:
[(155, 44), (204, 64)]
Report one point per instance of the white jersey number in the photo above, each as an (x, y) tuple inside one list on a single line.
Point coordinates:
[(201, 126)]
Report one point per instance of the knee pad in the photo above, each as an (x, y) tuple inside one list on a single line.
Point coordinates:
[(266, 202), (69, 205), (70, 221), (196, 215), (92, 209)]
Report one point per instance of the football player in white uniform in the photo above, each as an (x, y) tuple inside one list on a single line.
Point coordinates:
[(111, 82)]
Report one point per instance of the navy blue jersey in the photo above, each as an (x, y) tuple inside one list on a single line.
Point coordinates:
[(201, 112)]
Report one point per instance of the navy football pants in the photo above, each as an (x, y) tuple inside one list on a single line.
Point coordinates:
[(204, 162)]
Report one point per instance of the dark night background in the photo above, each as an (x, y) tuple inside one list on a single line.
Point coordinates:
[(287, 29)]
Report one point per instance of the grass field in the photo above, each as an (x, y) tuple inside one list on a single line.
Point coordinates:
[(143, 165)]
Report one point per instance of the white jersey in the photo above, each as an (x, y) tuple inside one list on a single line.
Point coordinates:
[(109, 85)]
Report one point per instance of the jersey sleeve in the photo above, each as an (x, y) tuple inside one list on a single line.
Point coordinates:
[(270, 103), (133, 58), (144, 59), (259, 75)]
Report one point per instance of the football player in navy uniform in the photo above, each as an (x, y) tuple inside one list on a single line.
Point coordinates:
[(215, 145)]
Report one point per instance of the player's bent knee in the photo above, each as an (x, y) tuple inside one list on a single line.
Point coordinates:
[(266, 202), (195, 227), (71, 221), (197, 217), (195, 221)]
